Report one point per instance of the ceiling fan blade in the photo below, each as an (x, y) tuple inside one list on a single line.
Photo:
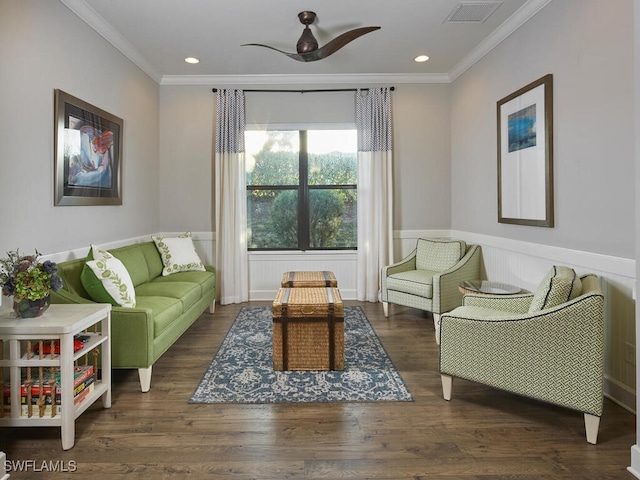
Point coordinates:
[(295, 56), (337, 43), (322, 52)]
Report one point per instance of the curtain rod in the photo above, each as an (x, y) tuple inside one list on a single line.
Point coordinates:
[(214, 90)]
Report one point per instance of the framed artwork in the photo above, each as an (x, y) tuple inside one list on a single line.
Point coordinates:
[(525, 155), (87, 153)]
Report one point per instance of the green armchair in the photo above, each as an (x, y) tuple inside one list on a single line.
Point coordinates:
[(548, 346), (429, 277)]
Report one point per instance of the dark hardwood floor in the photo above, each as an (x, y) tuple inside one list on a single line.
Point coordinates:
[(481, 434)]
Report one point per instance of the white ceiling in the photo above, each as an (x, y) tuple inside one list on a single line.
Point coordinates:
[(158, 34)]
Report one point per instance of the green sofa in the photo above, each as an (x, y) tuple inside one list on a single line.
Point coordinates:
[(166, 306)]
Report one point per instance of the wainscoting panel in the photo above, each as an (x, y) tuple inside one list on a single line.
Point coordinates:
[(266, 270)]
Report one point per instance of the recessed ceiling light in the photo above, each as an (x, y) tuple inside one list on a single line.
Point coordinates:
[(191, 60), (421, 58)]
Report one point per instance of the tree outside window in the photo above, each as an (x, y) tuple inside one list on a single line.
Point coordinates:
[(301, 189)]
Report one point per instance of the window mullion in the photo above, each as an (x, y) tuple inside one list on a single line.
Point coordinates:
[(303, 195)]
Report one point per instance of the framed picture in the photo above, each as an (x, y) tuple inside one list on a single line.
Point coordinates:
[(87, 153), (525, 155)]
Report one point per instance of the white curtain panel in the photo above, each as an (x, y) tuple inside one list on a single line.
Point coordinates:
[(231, 199), (375, 189)]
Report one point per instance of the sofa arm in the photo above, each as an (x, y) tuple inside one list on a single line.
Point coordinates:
[(65, 296), (132, 337), (446, 294)]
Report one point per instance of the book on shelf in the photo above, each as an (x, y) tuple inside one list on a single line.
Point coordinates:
[(24, 399), (77, 391), (80, 374), (35, 409)]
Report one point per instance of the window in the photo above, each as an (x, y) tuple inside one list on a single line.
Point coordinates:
[(301, 189)]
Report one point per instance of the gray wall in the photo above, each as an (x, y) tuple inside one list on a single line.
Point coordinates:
[(421, 148), (44, 46), (587, 46)]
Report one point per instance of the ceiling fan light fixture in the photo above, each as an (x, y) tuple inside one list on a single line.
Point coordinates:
[(421, 58), (307, 46)]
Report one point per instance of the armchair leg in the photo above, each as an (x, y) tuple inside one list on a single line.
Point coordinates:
[(436, 325), (591, 425), (447, 382), (385, 308)]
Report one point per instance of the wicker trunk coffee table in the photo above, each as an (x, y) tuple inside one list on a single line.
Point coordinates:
[(309, 279), (308, 329)]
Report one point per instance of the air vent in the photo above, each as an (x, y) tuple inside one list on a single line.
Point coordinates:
[(472, 12)]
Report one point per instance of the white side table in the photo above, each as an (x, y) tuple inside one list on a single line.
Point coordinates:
[(59, 322)]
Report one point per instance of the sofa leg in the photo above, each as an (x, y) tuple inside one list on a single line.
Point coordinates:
[(436, 326), (447, 382), (212, 307), (145, 378), (591, 425), (385, 308)]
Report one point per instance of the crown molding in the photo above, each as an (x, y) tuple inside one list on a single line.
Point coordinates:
[(100, 25), (515, 21), (327, 79)]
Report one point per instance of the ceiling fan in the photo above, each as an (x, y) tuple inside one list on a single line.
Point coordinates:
[(307, 46)]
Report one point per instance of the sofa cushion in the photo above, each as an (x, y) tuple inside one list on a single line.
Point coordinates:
[(439, 255), (178, 254), (206, 280), (154, 261), (187, 292), (133, 259), (414, 282), (107, 281), (559, 285)]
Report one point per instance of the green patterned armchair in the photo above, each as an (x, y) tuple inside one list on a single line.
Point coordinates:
[(548, 346), (429, 277)]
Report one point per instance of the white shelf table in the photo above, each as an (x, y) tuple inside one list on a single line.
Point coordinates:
[(60, 322)]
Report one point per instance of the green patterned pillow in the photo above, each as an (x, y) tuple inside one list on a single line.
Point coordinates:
[(178, 254), (108, 281), (560, 285), (439, 255)]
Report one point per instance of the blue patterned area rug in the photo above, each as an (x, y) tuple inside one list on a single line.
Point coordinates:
[(242, 370)]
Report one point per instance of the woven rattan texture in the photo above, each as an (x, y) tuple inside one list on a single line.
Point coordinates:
[(309, 279), (306, 312)]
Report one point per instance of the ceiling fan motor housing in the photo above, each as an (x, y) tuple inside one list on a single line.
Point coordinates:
[(307, 42)]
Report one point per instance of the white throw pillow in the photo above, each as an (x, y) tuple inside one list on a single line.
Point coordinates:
[(115, 279), (98, 253), (178, 254)]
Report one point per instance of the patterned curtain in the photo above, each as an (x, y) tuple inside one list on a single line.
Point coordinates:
[(375, 189), (230, 197)]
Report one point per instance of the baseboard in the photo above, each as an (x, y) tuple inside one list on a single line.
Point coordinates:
[(634, 469), (620, 394)]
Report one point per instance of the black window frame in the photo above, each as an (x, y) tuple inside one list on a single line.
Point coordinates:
[(303, 188)]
